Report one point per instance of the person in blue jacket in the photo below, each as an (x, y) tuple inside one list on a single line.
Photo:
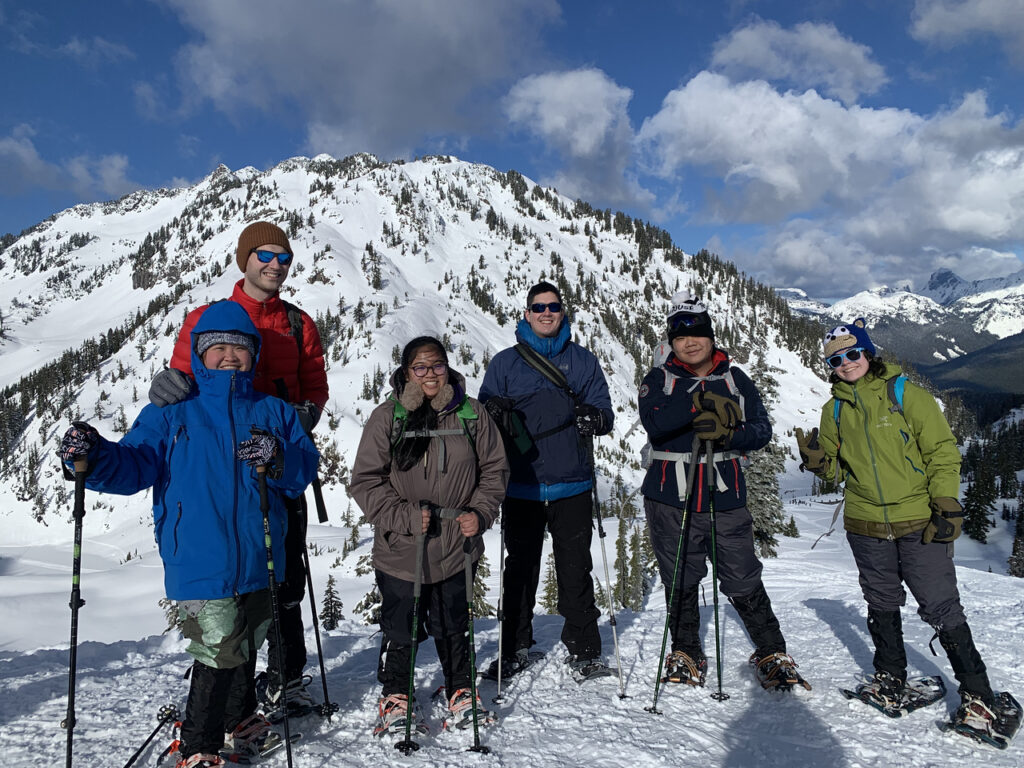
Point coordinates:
[(548, 435), (697, 393), (200, 456)]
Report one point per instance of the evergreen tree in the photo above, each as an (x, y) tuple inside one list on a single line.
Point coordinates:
[(174, 620), (549, 598), (1016, 561), (330, 612), (762, 476), (369, 607), (481, 608), (977, 509), (621, 565)]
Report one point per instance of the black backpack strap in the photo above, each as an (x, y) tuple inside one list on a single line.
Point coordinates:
[(546, 368), (295, 322)]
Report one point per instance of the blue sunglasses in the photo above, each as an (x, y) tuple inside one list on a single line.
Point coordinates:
[(853, 355), (268, 256)]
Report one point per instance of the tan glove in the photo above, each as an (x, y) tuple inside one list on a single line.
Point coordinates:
[(946, 523), (812, 455)]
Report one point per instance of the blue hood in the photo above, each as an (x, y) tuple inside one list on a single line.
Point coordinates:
[(229, 317)]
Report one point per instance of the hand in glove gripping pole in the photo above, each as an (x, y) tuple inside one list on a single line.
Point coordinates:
[(262, 449), (717, 417), (78, 441), (589, 419), (812, 455)]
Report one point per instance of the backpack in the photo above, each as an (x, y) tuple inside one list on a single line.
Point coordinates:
[(468, 420)]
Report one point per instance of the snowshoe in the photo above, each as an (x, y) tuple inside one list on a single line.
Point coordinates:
[(460, 711), (777, 672), (513, 665), (588, 669), (681, 667), (252, 740), (995, 725), (392, 711), (884, 693), (200, 760), (300, 702)]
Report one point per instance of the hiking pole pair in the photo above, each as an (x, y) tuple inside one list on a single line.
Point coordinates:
[(327, 708), (604, 557), (690, 474), (81, 469), (261, 473)]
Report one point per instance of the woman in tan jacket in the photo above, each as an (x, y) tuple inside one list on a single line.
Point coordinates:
[(430, 471)]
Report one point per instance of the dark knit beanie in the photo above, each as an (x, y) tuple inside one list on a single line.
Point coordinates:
[(256, 234), (688, 316), (208, 339)]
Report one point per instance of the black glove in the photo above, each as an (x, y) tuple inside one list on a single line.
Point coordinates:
[(169, 386), (78, 441), (308, 415), (589, 420), (259, 450), (707, 426), (812, 455), (946, 523), (725, 408), (499, 409)]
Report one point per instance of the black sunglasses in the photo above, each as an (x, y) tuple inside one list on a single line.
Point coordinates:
[(685, 321), (268, 256), (853, 355), (553, 306)]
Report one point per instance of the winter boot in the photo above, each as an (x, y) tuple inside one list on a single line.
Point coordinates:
[(885, 690), (392, 711), (968, 668), (755, 611), (683, 667), (300, 702), (886, 628), (583, 669), (777, 671), (460, 711), (995, 724), (251, 738), (512, 665), (200, 760)]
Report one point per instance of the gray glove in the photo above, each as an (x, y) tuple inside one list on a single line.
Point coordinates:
[(169, 386)]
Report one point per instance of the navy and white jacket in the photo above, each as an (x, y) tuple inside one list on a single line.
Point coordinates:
[(558, 464), (206, 505), (668, 419)]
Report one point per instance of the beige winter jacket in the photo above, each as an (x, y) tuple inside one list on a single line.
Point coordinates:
[(390, 499)]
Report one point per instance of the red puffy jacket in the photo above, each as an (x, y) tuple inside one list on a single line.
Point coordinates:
[(281, 370)]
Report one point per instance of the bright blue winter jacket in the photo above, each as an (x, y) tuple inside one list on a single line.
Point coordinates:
[(206, 504), (557, 466), (668, 419)]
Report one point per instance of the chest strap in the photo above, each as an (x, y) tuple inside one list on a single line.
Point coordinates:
[(682, 460), (442, 453)]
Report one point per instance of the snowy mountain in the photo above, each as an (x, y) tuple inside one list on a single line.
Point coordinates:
[(90, 309)]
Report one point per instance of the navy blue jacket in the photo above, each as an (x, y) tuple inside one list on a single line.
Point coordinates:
[(668, 420), (206, 506), (558, 465)]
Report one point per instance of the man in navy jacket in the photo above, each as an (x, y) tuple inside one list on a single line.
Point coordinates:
[(551, 479)]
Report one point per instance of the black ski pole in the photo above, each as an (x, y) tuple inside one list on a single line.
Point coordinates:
[(407, 745), (327, 708), (680, 546), (261, 473), (498, 699), (604, 557), (709, 458), (166, 714), (76, 602), (467, 548)]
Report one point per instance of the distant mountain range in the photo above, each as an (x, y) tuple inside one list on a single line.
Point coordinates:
[(954, 331)]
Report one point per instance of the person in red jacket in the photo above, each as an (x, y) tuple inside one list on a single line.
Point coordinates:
[(291, 367)]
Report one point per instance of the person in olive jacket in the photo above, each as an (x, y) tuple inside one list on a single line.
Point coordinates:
[(901, 467), (430, 463)]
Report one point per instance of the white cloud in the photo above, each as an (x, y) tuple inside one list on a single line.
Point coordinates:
[(90, 178), (952, 22), (373, 76), (810, 55), (95, 51), (582, 115)]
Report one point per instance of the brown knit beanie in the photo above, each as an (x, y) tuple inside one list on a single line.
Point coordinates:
[(256, 234)]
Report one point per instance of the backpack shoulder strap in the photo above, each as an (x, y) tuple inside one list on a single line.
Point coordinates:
[(545, 368), (295, 322), (398, 417), (470, 421), (894, 387)]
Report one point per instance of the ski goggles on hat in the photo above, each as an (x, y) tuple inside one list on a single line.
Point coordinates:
[(552, 306), (853, 355), (685, 320), (268, 256)]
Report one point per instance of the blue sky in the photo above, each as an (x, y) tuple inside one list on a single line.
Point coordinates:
[(827, 145)]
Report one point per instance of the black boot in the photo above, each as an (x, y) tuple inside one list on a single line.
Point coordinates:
[(968, 668), (886, 628), (755, 610)]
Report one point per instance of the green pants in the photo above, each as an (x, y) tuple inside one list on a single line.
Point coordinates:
[(227, 632)]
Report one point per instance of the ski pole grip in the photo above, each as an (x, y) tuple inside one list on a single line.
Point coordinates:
[(82, 465), (261, 469)]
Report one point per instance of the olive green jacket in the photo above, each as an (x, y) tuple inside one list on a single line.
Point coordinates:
[(893, 464)]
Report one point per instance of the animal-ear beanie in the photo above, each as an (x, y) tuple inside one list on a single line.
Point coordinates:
[(853, 334), (256, 234)]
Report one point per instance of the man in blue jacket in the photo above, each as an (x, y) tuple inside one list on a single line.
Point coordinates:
[(551, 479), (696, 393), (208, 522)]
